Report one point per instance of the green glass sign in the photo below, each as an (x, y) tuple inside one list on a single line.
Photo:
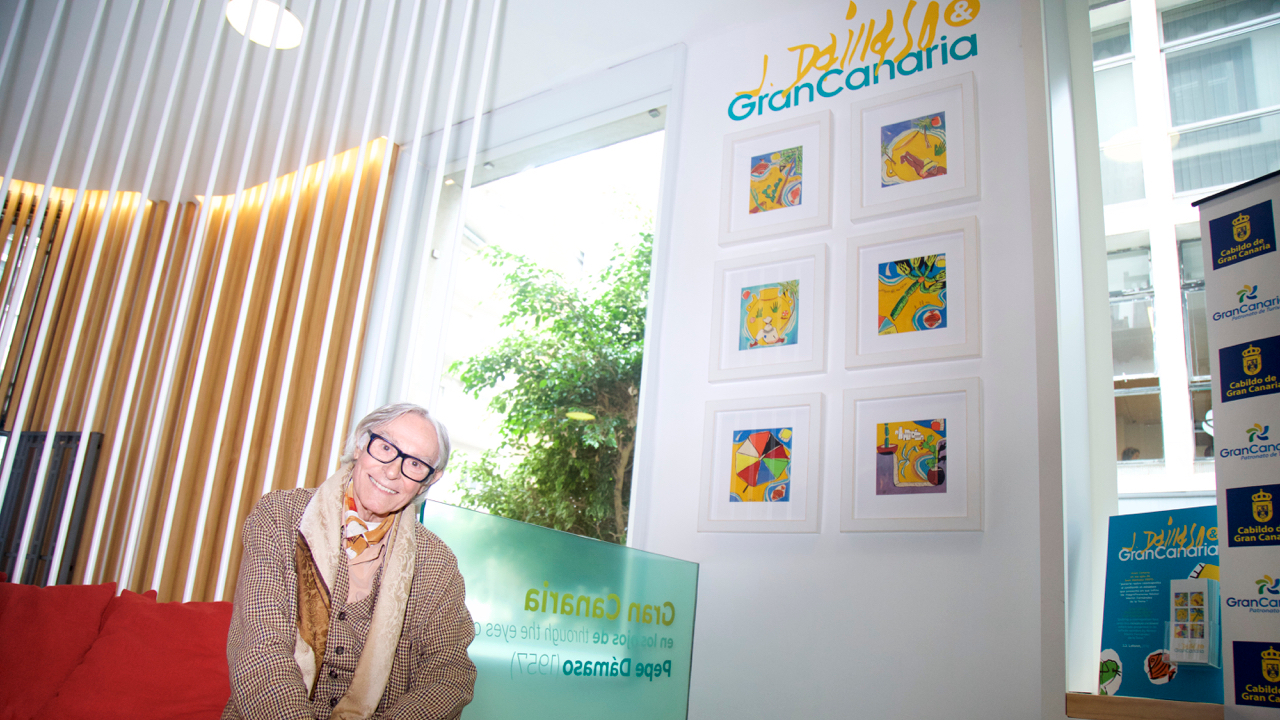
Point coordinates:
[(567, 626)]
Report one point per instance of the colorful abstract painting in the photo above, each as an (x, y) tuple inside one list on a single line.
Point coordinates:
[(913, 150), (912, 294), (761, 465), (768, 315), (775, 180), (911, 457)]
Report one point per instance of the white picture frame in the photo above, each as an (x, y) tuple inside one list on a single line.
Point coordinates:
[(936, 319), (886, 443), (789, 290), (798, 204), (905, 178), (741, 422)]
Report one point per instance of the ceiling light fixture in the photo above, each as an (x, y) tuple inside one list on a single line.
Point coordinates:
[(264, 23)]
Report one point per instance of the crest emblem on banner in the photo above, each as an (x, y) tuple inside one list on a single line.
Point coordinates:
[(1263, 511), (1240, 228), (1271, 665), (1252, 357)]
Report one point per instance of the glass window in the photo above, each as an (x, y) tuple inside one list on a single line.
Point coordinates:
[(1129, 271), (1226, 154), (1204, 17), (1226, 78), (1194, 316), (1111, 42), (1132, 336), (1119, 140), (1201, 404), (1139, 430)]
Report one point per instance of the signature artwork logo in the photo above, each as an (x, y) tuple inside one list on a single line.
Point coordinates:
[(1243, 235), (1268, 585), (902, 43), (1250, 292), (1173, 542)]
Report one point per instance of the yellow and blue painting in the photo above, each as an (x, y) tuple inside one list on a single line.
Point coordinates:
[(776, 179), (913, 150), (911, 457), (768, 315), (912, 295), (761, 465)]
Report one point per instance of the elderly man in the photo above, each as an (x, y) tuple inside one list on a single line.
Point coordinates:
[(346, 607)]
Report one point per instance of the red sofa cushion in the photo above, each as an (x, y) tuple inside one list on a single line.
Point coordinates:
[(152, 660), (44, 634)]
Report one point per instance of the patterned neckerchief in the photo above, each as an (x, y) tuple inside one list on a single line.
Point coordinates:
[(358, 535)]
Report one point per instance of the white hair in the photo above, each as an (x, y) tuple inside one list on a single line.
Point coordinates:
[(379, 419)]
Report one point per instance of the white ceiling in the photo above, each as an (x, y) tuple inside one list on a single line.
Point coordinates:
[(542, 44)]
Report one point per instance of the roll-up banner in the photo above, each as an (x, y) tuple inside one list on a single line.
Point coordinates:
[(568, 626), (1242, 296)]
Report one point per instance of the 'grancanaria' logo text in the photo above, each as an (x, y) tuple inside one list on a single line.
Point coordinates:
[(1248, 305), (1265, 602), (1258, 446)]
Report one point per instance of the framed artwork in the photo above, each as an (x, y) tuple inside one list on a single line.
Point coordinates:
[(915, 148), (776, 180), (762, 465), (912, 458), (914, 295), (770, 314)]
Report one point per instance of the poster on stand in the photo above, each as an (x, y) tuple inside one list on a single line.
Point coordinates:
[(1242, 304), (1160, 618)]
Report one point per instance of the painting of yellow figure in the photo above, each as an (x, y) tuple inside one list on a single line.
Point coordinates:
[(768, 315), (761, 465), (775, 180), (914, 149), (911, 457), (912, 294)]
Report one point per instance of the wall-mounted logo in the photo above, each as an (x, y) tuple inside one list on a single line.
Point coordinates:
[(1243, 235), (1257, 671), (1258, 432), (1249, 369), (1251, 516), (1250, 292), (861, 52)]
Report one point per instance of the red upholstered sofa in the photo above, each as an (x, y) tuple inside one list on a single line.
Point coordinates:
[(81, 651)]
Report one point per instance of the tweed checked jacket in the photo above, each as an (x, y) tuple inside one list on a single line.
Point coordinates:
[(430, 675)]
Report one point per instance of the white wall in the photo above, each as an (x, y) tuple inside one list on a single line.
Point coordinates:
[(894, 625)]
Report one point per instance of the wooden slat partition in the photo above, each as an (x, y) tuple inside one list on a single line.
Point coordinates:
[(1103, 707), (48, 363)]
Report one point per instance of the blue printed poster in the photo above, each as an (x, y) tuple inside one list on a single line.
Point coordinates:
[(1161, 596), (1243, 235)]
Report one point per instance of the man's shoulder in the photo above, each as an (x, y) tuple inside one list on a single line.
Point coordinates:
[(283, 505), (438, 556)]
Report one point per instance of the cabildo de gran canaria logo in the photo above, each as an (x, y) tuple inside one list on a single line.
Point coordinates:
[(898, 44), (1257, 671), (1266, 601), (1257, 447), (1248, 305)]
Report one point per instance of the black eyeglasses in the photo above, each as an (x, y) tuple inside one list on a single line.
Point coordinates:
[(385, 451)]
